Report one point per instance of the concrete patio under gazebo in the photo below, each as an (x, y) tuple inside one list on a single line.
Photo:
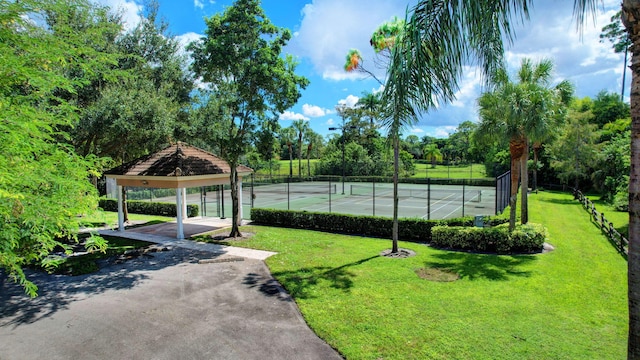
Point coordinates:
[(178, 166)]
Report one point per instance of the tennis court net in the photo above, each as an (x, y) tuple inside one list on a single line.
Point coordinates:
[(283, 188), (433, 194)]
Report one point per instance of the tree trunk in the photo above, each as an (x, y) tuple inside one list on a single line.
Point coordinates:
[(516, 147), (235, 208), (630, 16), (536, 149), (524, 166), (300, 157), (396, 168), (309, 160)]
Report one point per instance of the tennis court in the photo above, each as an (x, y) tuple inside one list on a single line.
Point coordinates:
[(415, 200), (359, 198)]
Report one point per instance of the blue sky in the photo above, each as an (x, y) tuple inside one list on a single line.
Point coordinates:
[(325, 30)]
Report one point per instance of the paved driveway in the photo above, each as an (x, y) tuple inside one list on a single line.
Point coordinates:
[(169, 305)]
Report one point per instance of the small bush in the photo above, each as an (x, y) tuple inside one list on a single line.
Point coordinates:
[(148, 208), (528, 238)]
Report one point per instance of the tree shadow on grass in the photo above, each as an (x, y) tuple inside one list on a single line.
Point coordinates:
[(478, 266), (58, 292), (300, 283)]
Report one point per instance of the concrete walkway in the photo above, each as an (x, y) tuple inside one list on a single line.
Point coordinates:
[(164, 234)]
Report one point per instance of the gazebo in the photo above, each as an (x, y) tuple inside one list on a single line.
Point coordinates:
[(177, 166)]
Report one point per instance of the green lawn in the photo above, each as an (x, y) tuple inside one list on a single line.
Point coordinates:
[(567, 304), (283, 170), (474, 171)]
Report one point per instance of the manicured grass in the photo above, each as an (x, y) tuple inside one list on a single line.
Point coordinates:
[(284, 168), (566, 304), (475, 171)]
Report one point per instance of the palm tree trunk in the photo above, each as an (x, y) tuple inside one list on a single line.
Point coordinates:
[(524, 166), (536, 149), (308, 160), (630, 16), (516, 147), (235, 230), (396, 168), (300, 157)]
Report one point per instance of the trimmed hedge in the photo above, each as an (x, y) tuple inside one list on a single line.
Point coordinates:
[(409, 229), (528, 238), (148, 208)]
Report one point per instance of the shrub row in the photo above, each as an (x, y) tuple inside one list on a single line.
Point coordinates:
[(528, 238), (148, 208), (409, 229)]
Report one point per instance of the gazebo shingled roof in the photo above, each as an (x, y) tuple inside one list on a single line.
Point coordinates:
[(177, 165), (176, 160)]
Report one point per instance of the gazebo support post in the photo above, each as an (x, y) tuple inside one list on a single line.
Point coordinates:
[(184, 203), (179, 200), (120, 212)]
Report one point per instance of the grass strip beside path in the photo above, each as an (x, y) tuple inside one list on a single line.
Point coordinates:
[(567, 304)]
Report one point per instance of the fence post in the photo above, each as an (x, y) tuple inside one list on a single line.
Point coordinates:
[(428, 198), (374, 196), (329, 195)]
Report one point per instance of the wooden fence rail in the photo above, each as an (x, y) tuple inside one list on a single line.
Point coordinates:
[(621, 243)]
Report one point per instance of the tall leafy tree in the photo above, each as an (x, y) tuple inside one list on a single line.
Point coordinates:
[(607, 108), (43, 182), (266, 142), (240, 56), (574, 151), (620, 41)]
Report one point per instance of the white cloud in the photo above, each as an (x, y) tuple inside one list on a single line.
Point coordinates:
[(199, 4), (330, 28), (313, 110), (290, 115), (469, 88), (444, 131), (417, 131), (130, 11), (330, 122), (551, 33), (349, 101), (187, 38)]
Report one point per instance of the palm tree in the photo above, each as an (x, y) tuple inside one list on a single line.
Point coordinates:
[(287, 135), (313, 139), (520, 111), (447, 34), (370, 102), (300, 127), (431, 152)]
